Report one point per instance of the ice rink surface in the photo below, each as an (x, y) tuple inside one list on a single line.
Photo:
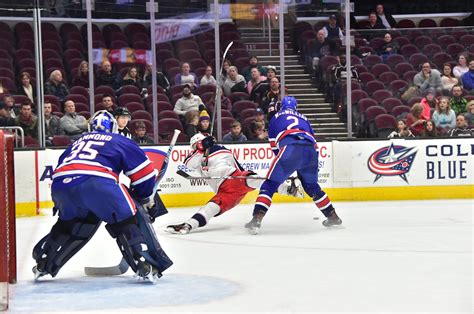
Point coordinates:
[(410, 256)]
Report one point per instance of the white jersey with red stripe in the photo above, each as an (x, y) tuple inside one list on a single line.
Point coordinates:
[(107, 155), (289, 125), (219, 163)]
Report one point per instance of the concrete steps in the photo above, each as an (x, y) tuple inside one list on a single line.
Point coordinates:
[(311, 103)]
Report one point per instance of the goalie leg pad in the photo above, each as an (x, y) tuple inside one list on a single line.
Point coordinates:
[(63, 242), (137, 242)]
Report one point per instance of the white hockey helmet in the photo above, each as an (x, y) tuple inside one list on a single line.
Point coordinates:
[(196, 139), (103, 121)]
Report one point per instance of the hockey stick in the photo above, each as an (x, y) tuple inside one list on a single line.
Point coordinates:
[(189, 177), (219, 87), (123, 266)]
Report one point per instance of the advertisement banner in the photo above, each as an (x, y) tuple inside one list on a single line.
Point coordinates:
[(405, 162)]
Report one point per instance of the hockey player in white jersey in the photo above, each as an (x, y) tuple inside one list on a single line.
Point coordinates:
[(227, 179)]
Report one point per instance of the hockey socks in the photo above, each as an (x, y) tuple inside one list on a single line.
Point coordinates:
[(324, 204), (202, 217)]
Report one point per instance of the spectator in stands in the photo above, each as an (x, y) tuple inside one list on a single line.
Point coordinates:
[(82, 76), (234, 82), (204, 122), (225, 68), (321, 48), (429, 130), (187, 102), (208, 78), (443, 116), (448, 79), (5, 118), (469, 115), (161, 79), (51, 124), (257, 85), (271, 72), (260, 117), (389, 47), (73, 124), (461, 67), (374, 22), (253, 63), (27, 120), (123, 117), (235, 134), (457, 102), (141, 137), (108, 103), (186, 76), (384, 18), (12, 109), (339, 76), (415, 119), (258, 132), (402, 130), (133, 78), (461, 128), (272, 97), (192, 121), (428, 102), (331, 31), (106, 77), (55, 86), (427, 78), (26, 88), (468, 78)]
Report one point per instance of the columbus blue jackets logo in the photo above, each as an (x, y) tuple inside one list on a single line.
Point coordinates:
[(393, 160)]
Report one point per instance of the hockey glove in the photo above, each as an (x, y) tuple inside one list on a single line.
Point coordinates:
[(292, 187)]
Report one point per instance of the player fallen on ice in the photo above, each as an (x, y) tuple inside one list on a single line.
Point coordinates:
[(292, 140), (227, 179), (86, 191)]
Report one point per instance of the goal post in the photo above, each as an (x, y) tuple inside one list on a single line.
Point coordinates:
[(7, 217)]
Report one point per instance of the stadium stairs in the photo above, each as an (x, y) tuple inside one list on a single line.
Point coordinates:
[(324, 121)]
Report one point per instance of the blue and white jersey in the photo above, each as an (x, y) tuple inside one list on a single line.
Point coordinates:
[(107, 155), (291, 126)]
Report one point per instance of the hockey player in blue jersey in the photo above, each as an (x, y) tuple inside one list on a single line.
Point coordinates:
[(292, 140), (86, 191)]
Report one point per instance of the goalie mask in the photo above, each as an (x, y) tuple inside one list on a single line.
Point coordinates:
[(196, 140), (103, 121)]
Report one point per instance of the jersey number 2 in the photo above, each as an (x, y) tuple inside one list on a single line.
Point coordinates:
[(291, 125), (84, 150)]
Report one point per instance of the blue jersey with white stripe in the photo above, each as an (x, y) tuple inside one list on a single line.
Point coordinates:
[(107, 155), (288, 126)]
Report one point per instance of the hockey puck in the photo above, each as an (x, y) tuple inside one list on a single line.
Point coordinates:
[(316, 217)]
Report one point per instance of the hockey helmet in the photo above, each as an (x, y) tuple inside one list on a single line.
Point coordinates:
[(198, 137), (122, 111), (103, 121), (288, 102)]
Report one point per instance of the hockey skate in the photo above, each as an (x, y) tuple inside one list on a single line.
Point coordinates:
[(183, 228), (332, 220), (38, 269), (255, 224), (147, 272)]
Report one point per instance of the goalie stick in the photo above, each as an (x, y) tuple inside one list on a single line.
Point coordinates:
[(123, 266)]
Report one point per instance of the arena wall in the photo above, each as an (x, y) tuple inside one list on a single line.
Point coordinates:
[(349, 170)]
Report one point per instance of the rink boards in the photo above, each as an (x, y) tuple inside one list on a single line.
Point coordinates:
[(348, 170)]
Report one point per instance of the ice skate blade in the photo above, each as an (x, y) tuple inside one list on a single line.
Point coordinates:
[(173, 231), (253, 230), (38, 274), (150, 278)]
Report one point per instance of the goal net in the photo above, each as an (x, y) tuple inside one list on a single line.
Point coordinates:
[(7, 218)]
